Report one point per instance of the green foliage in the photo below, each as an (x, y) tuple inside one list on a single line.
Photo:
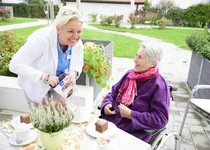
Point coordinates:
[(176, 14), (117, 20), (147, 5), (35, 1), (163, 22), (4, 14), (8, 47), (30, 10), (51, 116), (106, 20), (93, 17), (200, 43), (198, 15), (133, 19), (149, 16), (96, 63)]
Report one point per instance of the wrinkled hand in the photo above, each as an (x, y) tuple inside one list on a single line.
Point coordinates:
[(53, 80), (124, 111), (71, 79), (108, 111)]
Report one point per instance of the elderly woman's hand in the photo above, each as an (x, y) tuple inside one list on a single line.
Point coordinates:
[(124, 111), (108, 111)]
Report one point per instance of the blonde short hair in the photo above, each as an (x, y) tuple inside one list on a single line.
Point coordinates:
[(67, 14)]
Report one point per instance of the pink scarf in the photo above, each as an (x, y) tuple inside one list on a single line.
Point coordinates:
[(128, 90)]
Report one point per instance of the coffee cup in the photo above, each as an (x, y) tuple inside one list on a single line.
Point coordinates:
[(81, 114), (22, 132), (103, 143)]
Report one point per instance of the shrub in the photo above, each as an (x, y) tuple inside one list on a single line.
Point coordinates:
[(133, 19), (149, 16), (106, 20), (4, 14), (8, 47), (93, 17), (163, 22), (198, 15), (176, 14), (29, 10), (117, 19), (199, 42)]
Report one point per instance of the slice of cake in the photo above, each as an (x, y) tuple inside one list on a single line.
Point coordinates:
[(25, 119), (101, 125)]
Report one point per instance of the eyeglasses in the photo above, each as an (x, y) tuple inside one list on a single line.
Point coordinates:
[(72, 13)]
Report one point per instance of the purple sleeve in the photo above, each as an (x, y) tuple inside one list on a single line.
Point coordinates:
[(158, 116), (111, 96)]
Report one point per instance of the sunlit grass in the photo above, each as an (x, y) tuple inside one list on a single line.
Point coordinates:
[(172, 35), (16, 20)]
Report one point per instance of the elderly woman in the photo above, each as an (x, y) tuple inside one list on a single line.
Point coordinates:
[(141, 99), (48, 53)]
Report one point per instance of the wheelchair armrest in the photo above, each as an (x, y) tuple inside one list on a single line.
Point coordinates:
[(154, 132)]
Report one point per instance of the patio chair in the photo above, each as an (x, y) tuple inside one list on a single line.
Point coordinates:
[(200, 106)]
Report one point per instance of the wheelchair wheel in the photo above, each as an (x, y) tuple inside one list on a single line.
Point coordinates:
[(169, 141)]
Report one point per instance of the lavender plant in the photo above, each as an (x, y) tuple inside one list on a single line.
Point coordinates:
[(51, 116)]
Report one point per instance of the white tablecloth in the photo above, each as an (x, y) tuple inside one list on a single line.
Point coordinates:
[(121, 141)]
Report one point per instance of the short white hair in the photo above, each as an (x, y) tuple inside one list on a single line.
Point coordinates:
[(153, 51), (67, 14)]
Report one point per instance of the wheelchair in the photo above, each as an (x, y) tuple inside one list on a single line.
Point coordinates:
[(162, 139)]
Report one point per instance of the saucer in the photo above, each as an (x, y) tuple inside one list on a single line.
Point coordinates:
[(111, 131), (85, 119), (31, 137)]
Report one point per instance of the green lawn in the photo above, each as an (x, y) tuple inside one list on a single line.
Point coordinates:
[(123, 46), (172, 35), (16, 20)]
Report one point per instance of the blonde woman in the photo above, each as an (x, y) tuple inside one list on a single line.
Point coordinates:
[(49, 52)]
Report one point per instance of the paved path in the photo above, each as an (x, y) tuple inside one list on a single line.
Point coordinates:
[(174, 67)]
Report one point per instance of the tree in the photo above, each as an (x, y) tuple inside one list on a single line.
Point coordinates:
[(165, 5), (147, 5)]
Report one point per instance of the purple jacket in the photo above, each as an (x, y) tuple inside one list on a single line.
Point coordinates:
[(150, 109)]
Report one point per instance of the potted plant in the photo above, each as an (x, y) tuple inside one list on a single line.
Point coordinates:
[(96, 64), (51, 118)]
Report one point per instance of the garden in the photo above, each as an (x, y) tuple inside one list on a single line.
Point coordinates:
[(162, 16)]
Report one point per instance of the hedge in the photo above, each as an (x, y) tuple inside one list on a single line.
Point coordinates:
[(198, 15), (199, 42), (29, 10)]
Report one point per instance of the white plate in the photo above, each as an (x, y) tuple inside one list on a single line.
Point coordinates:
[(95, 147), (111, 131), (16, 121), (31, 138), (87, 118)]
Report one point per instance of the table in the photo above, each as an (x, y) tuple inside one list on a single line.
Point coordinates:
[(82, 141)]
